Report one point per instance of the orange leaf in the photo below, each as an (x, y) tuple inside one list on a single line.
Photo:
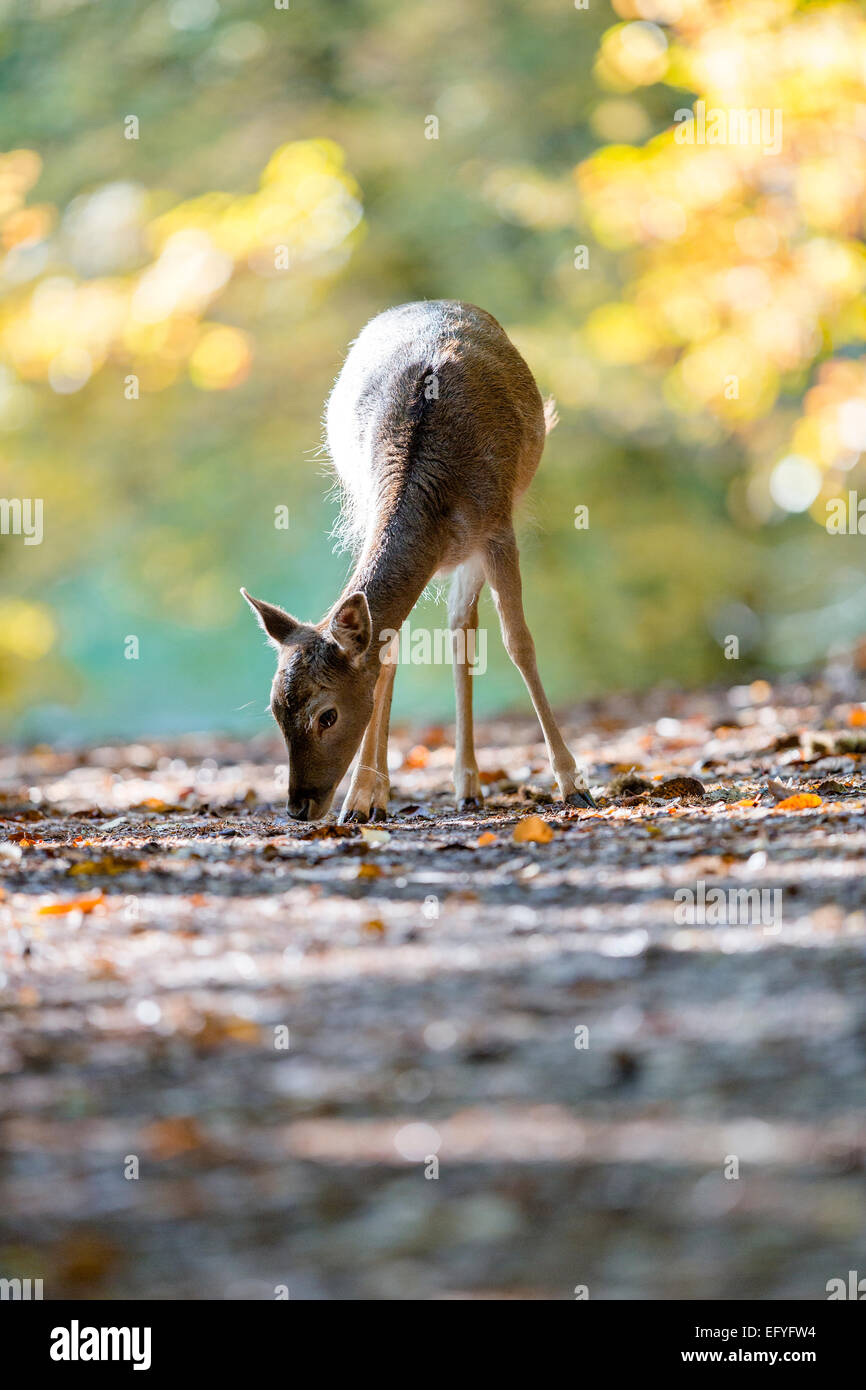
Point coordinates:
[(494, 774), (418, 756), (488, 838), (177, 1135), (857, 717), (532, 830), (801, 802), (369, 871), (86, 903), (108, 864)]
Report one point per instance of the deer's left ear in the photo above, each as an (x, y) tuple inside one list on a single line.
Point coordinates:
[(351, 625), (281, 628)]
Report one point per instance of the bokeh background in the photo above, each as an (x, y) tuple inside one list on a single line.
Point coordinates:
[(174, 308)]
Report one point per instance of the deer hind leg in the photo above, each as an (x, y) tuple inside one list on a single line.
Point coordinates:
[(369, 789), (502, 568), (463, 619)]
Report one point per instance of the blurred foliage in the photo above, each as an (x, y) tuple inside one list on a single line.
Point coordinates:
[(201, 203)]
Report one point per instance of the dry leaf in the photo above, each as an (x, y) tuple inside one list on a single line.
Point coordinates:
[(532, 830), (857, 717), (419, 756), (801, 802), (371, 836), (369, 871), (220, 1028), (86, 903), (496, 774), (688, 787), (167, 1138), (488, 838), (108, 864)]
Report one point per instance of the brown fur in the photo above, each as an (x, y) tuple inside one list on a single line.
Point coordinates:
[(436, 427)]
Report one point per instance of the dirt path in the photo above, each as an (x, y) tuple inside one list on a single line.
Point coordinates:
[(278, 1028)]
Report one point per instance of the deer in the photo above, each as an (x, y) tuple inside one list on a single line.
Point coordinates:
[(435, 428)]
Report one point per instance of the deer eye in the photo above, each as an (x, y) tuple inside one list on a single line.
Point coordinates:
[(328, 719)]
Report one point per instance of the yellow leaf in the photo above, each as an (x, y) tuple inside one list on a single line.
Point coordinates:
[(532, 830), (84, 904), (107, 865), (801, 802)]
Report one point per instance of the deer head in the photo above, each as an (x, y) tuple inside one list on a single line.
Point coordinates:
[(322, 695)]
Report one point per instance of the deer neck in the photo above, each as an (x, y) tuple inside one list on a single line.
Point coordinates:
[(399, 559)]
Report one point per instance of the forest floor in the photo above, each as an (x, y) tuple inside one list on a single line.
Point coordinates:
[(241, 1056)]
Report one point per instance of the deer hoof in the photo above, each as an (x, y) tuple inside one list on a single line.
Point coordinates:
[(355, 818), (581, 798), (379, 813), (470, 803)]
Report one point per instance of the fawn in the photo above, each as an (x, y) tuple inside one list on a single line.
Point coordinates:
[(435, 427)]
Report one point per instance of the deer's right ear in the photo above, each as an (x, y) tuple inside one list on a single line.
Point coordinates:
[(279, 625)]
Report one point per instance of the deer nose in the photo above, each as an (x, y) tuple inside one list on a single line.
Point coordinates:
[(298, 807)]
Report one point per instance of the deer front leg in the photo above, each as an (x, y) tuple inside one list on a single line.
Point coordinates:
[(463, 618), (502, 567), (369, 789)]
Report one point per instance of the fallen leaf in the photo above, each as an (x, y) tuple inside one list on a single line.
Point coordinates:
[(778, 790), (167, 1138), (417, 757), (434, 737), (801, 802), (832, 788), (85, 1259), (86, 903), (532, 830), (329, 832), (488, 838), (375, 927), (688, 787), (369, 871), (220, 1028), (857, 717), (496, 774), (371, 836), (108, 864)]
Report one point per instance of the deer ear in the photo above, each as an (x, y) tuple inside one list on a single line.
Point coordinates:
[(280, 626), (351, 625)]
